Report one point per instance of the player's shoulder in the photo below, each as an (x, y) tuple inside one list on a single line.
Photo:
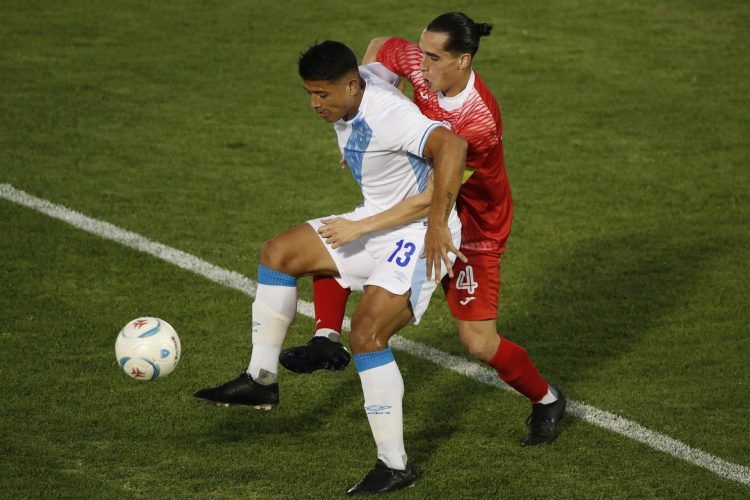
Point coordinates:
[(482, 97), (383, 99)]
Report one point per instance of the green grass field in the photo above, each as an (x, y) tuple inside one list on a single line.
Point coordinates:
[(626, 277)]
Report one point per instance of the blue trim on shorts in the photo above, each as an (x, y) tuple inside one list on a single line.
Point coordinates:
[(366, 360), (417, 281), (268, 276)]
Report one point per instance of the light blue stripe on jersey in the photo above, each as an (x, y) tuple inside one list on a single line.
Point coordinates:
[(417, 280), (421, 170), (268, 276), (426, 134), (366, 360), (356, 145)]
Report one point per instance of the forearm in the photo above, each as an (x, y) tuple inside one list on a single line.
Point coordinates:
[(448, 153), (448, 166), (409, 210)]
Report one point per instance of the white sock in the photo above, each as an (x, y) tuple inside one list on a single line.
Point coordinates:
[(273, 311), (383, 389), (548, 398), (282, 299), (328, 333)]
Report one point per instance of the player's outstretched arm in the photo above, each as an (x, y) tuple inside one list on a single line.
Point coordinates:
[(448, 153), (339, 231), (371, 56), (372, 50)]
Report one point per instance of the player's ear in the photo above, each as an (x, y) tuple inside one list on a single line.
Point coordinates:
[(352, 86), (464, 61)]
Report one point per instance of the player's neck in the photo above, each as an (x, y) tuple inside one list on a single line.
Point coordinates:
[(459, 85)]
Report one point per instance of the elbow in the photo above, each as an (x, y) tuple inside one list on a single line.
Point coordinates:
[(455, 145), (373, 48)]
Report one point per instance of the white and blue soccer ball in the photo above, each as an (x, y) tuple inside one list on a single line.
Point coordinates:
[(147, 348)]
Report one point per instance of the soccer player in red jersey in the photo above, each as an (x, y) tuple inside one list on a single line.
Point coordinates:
[(447, 89)]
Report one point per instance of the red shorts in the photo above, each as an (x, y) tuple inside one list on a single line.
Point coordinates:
[(474, 290)]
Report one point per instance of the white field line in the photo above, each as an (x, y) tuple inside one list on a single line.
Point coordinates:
[(478, 372)]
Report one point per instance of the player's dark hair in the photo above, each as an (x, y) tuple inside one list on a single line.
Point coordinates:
[(463, 32), (326, 61)]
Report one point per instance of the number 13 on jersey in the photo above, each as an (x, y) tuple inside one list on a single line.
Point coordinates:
[(403, 252)]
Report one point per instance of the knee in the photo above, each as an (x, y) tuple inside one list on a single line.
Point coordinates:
[(365, 336), (476, 346), (273, 255), (378, 316), (366, 340), (482, 343)]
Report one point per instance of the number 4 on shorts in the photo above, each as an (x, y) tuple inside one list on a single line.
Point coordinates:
[(466, 281)]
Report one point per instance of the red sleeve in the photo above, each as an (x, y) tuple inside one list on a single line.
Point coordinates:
[(400, 56)]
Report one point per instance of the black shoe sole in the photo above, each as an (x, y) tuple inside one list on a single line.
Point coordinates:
[(263, 406)]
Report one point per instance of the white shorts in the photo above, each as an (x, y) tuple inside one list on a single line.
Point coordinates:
[(389, 259)]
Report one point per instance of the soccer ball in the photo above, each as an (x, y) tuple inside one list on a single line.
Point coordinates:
[(147, 348)]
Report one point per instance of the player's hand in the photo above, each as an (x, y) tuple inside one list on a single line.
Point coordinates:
[(338, 232), (343, 164), (437, 245)]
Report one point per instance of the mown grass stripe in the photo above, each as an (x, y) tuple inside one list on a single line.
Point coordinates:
[(231, 279)]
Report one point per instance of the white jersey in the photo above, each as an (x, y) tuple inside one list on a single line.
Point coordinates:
[(384, 143)]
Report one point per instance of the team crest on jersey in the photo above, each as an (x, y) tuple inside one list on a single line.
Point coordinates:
[(361, 138), (447, 124)]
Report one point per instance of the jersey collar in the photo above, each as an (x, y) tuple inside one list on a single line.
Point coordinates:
[(456, 101)]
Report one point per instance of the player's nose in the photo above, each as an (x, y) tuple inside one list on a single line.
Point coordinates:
[(423, 64)]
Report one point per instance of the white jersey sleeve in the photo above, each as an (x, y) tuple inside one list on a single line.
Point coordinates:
[(381, 72), (404, 127)]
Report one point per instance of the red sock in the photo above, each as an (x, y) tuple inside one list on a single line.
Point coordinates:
[(513, 365), (330, 303)]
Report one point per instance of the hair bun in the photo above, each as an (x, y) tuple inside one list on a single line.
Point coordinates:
[(484, 29)]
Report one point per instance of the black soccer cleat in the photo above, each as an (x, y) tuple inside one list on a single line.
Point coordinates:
[(318, 354), (382, 479), (243, 391), (543, 420)]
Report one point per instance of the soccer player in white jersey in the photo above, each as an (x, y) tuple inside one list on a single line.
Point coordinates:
[(387, 143)]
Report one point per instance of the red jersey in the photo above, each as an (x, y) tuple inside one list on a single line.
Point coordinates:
[(484, 202)]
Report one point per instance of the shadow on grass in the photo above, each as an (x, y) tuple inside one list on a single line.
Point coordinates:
[(593, 305), (587, 308), (307, 404)]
